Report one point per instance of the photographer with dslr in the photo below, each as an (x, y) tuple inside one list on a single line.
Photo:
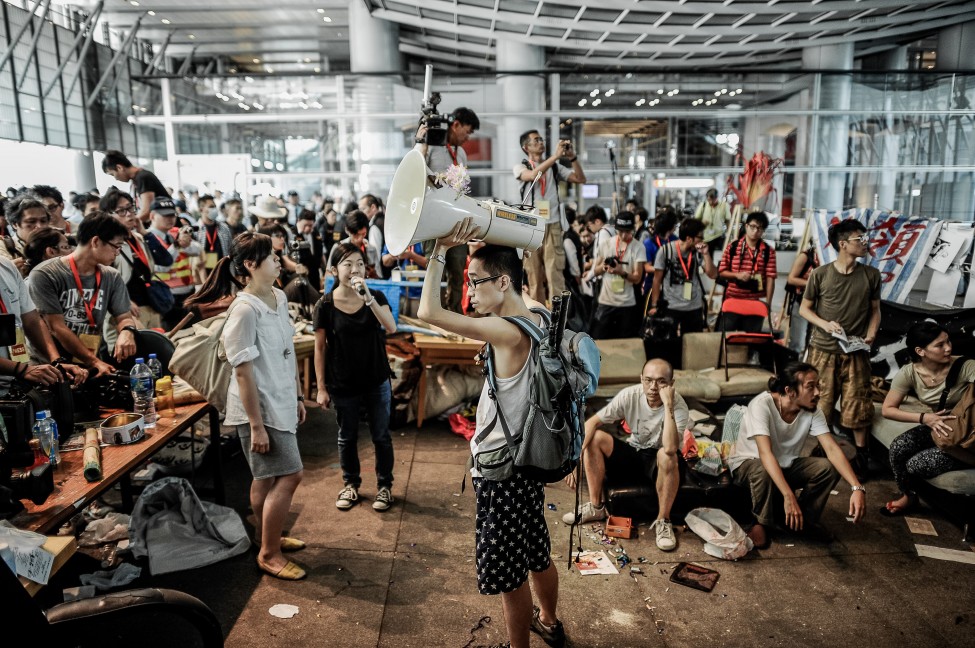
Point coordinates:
[(619, 261), (182, 248), (548, 262), (463, 124), (19, 320)]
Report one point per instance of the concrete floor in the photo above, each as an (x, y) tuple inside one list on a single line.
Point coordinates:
[(406, 577)]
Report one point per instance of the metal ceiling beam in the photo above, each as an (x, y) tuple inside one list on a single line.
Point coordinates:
[(38, 29), (85, 29), (185, 67), (111, 66), (416, 50), (20, 32), (159, 55), (681, 48), (220, 7)]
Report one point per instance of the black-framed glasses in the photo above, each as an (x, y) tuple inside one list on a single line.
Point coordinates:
[(122, 211), (115, 246), (472, 284), (755, 227)]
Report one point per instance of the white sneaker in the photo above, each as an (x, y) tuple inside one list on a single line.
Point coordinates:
[(666, 541), (348, 497), (587, 513), (384, 499)]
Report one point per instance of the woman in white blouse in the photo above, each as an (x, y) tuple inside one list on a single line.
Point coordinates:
[(264, 405)]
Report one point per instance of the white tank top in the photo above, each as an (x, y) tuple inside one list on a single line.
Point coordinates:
[(513, 394)]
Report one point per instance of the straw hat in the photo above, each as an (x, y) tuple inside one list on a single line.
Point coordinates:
[(267, 207)]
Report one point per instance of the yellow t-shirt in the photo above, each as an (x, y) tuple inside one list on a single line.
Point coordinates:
[(908, 381)]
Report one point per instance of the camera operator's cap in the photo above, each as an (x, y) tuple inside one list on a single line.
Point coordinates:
[(163, 206), (292, 193), (267, 207), (624, 221)]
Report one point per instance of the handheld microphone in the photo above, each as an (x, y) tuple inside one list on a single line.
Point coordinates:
[(360, 287)]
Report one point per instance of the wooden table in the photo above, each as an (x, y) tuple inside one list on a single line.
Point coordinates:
[(62, 548), (72, 491), (440, 350)]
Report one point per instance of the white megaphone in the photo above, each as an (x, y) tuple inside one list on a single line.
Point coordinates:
[(418, 210)]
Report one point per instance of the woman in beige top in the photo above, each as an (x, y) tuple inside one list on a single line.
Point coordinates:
[(913, 455)]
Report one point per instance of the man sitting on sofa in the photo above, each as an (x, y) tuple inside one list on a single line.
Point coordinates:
[(656, 417)]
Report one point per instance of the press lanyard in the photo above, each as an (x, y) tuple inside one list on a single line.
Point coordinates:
[(89, 305), (137, 250), (211, 241), (618, 249), (680, 257), (3, 307), (754, 256), (541, 181), (453, 156)]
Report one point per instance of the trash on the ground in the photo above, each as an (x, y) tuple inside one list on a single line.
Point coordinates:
[(593, 562), (114, 526), (722, 536), (921, 526), (621, 557), (619, 527), (484, 620), (790, 545), (78, 593), (551, 507), (695, 576), (939, 553), (105, 580), (283, 610)]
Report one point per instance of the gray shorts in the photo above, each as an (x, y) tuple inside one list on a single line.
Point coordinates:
[(282, 459)]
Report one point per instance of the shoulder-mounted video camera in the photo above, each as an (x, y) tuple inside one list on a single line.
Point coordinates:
[(436, 123)]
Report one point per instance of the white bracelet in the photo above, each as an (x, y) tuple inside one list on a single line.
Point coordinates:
[(440, 257), (371, 302)]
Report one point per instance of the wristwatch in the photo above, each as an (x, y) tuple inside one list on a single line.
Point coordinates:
[(301, 398), (858, 488)]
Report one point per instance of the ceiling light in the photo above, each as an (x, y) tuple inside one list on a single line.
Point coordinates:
[(243, 106), (717, 93), (326, 19), (731, 94), (676, 91), (134, 3), (257, 60), (660, 91), (225, 98), (151, 12), (255, 162), (302, 104), (307, 60), (597, 102), (739, 90), (724, 90), (640, 102), (279, 166), (582, 102), (318, 69), (259, 106), (166, 21), (191, 36), (594, 92), (249, 79), (316, 105), (321, 11), (611, 92), (268, 165)]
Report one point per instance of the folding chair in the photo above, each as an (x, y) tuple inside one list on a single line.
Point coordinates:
[(744, 308)]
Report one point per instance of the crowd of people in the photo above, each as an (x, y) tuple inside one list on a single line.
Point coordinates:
[(81, 281)]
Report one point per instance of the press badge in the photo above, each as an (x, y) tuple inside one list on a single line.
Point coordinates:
[(544, 208), (687, 290), (90, 342), (617, 284), (758, 278), (211, 260), (18, 350)]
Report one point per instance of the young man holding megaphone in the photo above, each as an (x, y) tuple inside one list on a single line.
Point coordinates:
[(511, 537)]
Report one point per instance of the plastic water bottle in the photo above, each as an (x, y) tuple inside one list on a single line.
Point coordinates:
[(43, 432), (154, 366), (55, 439), (141, 384)]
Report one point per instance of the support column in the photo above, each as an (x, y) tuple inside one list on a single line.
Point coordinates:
[(832, 133), (84, 171), (889, 145), (955, 47), (378, 146), (522, 93)]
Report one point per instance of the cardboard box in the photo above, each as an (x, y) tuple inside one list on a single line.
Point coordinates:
[(619, 527)]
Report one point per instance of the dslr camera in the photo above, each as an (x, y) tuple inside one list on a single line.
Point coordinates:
[(189, 229), (436, 123)]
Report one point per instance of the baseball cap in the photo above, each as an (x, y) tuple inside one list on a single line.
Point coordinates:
[(163, 206), (624, 221)]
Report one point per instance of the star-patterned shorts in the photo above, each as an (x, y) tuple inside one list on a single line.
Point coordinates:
[(510, 533)]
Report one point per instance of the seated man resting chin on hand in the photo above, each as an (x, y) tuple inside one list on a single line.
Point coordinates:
[(656, 416)]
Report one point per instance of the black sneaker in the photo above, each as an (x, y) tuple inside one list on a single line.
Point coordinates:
[(553, 635)]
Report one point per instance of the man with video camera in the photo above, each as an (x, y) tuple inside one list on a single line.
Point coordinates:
[(541, 176), (182, 248), (463, 124)]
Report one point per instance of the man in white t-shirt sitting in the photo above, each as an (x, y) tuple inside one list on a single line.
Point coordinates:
[(766, 457), (656, 416)]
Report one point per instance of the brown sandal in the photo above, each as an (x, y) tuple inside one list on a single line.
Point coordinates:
[(290, 571), (287, 544)]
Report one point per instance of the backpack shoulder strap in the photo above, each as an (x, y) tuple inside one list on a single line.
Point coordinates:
[(951, 381)]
